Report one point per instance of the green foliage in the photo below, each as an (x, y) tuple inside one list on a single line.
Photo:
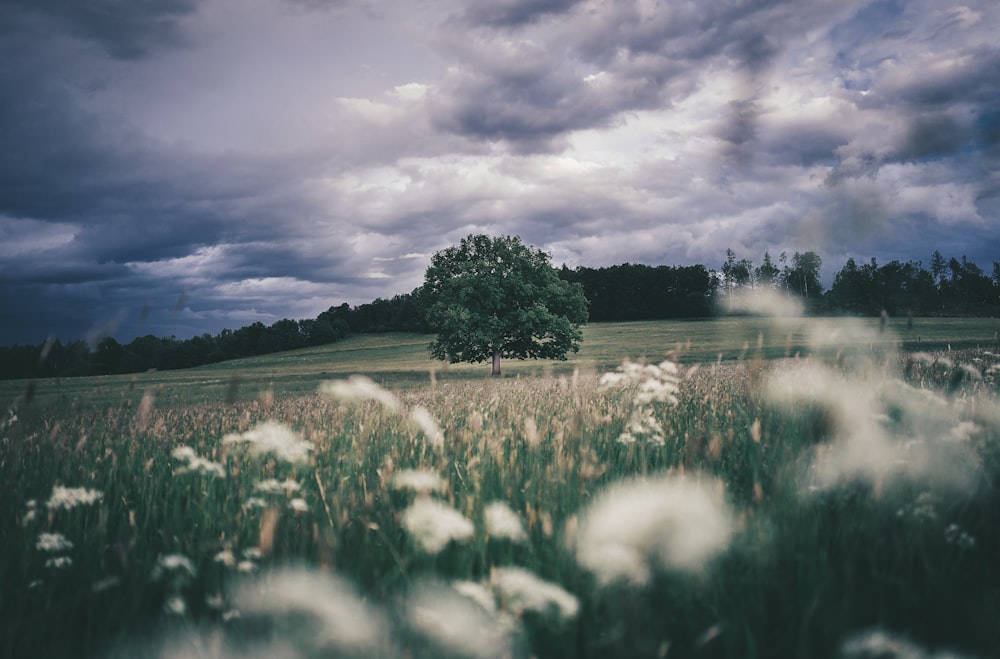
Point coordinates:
[(496, 297)]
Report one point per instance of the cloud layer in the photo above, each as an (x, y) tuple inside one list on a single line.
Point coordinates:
[(179, 167)]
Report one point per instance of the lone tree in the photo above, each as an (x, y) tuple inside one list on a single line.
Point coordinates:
[(493, 297)]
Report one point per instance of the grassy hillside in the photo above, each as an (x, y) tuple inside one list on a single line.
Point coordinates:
[(400, 360)]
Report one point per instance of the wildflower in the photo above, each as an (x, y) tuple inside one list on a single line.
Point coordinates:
[(660, 391), (273, 438), (195, 464), (520, 591), (255, 502), (298, 505), (53, 542), (879, 643), (67, 498), (31, 512), (433, 524), (460, 624), (477, 593), (419, 480), (504, 523), (338, 619), (954, 535), (184, 454), (225, 557), (59, 562), (359, 388), (246, 567), (636, 525), (964, 431), (274, 486), (175, 605), (177, 569), (423, 419)]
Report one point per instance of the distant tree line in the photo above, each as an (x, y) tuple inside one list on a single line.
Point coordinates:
[(56, 359), (947, 287), (642, 292)]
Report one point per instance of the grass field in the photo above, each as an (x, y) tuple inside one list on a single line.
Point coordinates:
[(727, 503)]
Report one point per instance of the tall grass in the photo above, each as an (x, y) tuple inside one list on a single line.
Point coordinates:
[(835, 505)]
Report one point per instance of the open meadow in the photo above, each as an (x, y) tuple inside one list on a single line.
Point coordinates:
[(737, 487)]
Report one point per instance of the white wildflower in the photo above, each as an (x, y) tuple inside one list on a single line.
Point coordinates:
[(53, 542), (274, 486), (614, 380), (255, 502), (964, 431), (30, 513), (879, 643), (520, 591), (253, 553), (225, 557), (298, 505), (625, 438), (177, 569), (659, 391), (193, 463), (458, 623), (954, 535), (475, 591), (336, 617), (503, 523), (359, 388), (246, 567), (636, 525), (184, 453), (433, 524), (175, 605), (67, 498), (59, 562), (273, 438), (422, 418), (418, 480)]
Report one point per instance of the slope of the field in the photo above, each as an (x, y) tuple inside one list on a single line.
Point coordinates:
[(400, 360)]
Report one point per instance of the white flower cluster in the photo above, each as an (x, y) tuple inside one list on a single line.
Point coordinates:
[(55, 543), (272, 438), (521, 591), (503, 523), (359, 388), (434, 524), (67, 498), (637, 525), (195, 464), (651, 383)]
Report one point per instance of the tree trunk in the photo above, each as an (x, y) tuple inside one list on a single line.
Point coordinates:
[(496, 363)]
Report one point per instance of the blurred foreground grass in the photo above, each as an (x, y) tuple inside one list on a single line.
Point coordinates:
[(835, 505)]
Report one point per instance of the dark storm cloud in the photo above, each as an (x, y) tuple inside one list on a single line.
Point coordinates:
[(933, 137), (509, 13), (126, 29), (595, 62)]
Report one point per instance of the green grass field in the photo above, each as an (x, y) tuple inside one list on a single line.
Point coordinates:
[(399, 360), (841, 502)]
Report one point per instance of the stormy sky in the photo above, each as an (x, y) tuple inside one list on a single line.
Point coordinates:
[(175, 167)]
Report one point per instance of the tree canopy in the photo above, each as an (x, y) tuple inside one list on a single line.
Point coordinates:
[(494, 297)]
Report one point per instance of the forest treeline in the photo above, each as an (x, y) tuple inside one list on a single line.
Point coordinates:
[(946, 287)]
